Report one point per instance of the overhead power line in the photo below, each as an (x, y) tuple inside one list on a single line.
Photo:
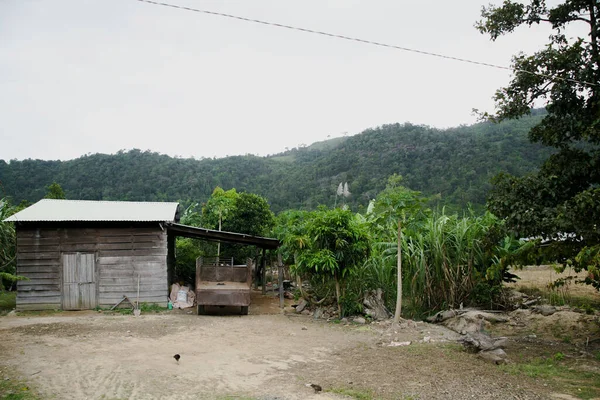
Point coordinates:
[(370, 42)]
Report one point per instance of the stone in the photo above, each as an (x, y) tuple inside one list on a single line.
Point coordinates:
[(545, 310), (305, 312), (375, 306), (496, 356), (359, 320), (301, 305), (318, 313)]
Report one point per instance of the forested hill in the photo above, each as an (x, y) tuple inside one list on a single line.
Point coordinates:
[(455, 164)]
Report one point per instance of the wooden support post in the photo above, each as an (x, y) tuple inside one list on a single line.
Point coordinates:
[(280, 276), (264, 271)]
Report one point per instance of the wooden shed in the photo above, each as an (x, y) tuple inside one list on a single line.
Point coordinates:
[(81, 254)]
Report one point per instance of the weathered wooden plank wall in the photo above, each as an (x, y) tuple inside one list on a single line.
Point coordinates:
[(121, 254)]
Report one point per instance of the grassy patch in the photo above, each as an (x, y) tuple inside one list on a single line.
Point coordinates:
[(559, 374), (15, 390), (354, 393), (144, 307), (8, 302)]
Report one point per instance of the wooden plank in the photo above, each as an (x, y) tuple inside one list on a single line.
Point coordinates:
[(37, 263), (109, 260), (133, 267), (35, 294), (33, 275), (161, 287), (36, 307), (87, 281), (36, 288), (132, 253), (47, 255), (43, 281), (144, 274), (78, 247), (43, 268), (70, 287), (36, 248), (120, 238), (131, 245), (38, 233), (38, 299)]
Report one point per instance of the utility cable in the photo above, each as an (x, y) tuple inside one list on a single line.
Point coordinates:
[(370, 42)]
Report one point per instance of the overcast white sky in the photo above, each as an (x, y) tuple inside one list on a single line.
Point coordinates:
[(97, 76)]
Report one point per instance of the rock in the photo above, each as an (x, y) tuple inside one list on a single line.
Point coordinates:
[(304, 328), (318, 313), (442, 316), (427, 339), (359, 320), (325, 315), (530, 302), (344, 320), (301, 305), (305, 312), (497, 356), (478, 341), (375, 306), (545, 310), (398, 344)]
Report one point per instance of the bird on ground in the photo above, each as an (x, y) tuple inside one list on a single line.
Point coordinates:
[(316, 387), (177, 357)]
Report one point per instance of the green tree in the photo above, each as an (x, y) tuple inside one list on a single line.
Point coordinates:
[(394, 208), (217, 209), (251, 214), (559, 204), (334, 244), (8, 244), (55, 191)]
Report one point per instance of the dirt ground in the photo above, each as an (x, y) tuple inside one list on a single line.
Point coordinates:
[(266, 355)]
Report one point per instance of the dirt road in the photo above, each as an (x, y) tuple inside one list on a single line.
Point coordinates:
[(91, 355)]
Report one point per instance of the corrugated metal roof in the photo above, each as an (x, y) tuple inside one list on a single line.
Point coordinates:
[(88, 210)]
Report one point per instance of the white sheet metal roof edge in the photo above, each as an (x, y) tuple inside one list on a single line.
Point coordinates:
[(51, 210)]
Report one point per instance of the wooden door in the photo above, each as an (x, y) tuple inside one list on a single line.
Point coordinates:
[(79, 281)]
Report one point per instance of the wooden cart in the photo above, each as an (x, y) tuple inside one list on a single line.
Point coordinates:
[(219, 282)]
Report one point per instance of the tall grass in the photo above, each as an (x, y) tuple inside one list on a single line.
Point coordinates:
[(443, 262)]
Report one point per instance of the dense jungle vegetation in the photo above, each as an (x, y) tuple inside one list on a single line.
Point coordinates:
[(453, 166)]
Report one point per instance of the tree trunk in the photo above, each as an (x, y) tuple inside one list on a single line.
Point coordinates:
[(337, 295), (399, 295)]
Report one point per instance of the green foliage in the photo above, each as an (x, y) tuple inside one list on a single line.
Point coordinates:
[(8, 302), (8, 243), (219, 207), (329, 245), (560, 204), (187, 251), (250, 214), (55, 191), (454, 165)]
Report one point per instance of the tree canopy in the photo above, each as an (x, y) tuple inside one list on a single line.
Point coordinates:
[(559, 205), (453, 164)]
